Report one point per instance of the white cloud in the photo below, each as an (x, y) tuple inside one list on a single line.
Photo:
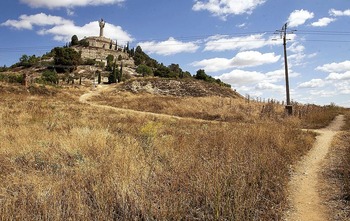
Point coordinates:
[(343, 87), (243, 25), (334, 12), (296, 48), (335, 67), (251, 82), (28, 21), (223, 8), (168, 47), (67, 3), (314, 83), (322, 22), (323, 93), (279, 75), (270, 87), (254, 58), (299, 17), (63, 29), (298, 57), (242, 59), (225, 43), (65, 32), (213, 64), (70, 12), (240, 77), (337, 76)]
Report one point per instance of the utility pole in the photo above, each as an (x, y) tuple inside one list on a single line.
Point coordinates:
[(283, 32)]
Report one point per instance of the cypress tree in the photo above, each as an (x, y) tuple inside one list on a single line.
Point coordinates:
[(120, 75)]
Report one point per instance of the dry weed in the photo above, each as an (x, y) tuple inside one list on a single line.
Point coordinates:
[(62, 160)]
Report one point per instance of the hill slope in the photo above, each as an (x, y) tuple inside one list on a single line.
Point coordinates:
[(178, 87)]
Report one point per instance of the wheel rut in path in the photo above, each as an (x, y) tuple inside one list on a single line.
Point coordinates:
[(304, 199)]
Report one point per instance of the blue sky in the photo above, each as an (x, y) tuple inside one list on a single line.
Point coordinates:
[(232, 40)]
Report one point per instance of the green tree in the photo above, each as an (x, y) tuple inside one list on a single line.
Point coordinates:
[(3, 69), (84, 43), (50, 77), (99, 77), (110, 60), (201, 75), (67, 57), (74, 41), (28, 61), (120, 74), (113, 76), (144, 70), (142, 58)]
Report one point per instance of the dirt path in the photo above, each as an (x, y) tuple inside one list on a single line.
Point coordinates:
[(101, 88), (305, 202)]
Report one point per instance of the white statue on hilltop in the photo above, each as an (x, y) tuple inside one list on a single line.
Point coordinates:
[(102, 26)]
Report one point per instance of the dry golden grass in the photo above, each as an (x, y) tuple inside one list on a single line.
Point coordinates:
[(316, 117), (63, 160), (208, 108)]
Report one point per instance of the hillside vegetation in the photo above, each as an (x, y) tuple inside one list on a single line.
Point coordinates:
[(63, 160)]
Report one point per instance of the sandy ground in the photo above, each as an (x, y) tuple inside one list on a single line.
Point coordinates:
[(305, 201)]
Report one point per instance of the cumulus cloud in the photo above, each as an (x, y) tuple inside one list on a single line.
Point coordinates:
[(62, 29), (296, 48), (28, 21), (334, 12), (299, 17), (314, 83), (343, 87), (337, 76), (335, 67), (253, 81), (67, 3), (241, 77), (242, 59), (223, 8), (169, 47), (270, 87), (322, 22), (224, 42), (323, 93), (279, 75)]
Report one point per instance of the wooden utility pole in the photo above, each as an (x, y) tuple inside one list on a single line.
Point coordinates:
[(283, 32)]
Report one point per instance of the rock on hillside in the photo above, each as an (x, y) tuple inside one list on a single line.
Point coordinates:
[(178, 87)]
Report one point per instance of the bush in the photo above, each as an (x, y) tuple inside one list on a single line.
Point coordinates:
[(89, 62), (50, 77), (144, 70), (12, 78)]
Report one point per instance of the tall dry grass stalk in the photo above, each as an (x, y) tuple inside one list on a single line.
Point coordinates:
[(62, 160)]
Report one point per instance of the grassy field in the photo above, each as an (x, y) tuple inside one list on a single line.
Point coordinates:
[(63, 160)]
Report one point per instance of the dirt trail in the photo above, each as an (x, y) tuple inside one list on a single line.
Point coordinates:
[(305, 202), (85, 99)]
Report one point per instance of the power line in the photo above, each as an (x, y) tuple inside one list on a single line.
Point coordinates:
[(204, 39)]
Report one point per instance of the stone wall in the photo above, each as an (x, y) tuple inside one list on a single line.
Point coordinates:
[(100, 54)]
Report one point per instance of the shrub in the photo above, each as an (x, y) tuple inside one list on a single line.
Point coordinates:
[(50, 77)]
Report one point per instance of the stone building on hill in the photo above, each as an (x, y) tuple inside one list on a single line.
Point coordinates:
[(98, 48)]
